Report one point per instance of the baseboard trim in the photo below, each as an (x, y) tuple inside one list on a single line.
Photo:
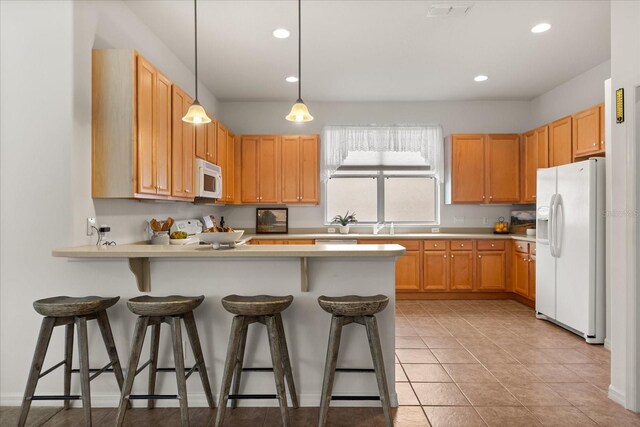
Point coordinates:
[(456, 295), (607, 344), (616, 395)]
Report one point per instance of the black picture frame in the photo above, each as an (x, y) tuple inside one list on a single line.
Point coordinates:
[(272, 220)]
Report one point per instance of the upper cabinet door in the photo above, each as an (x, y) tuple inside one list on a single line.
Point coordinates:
[(542, 139), (291, 169), (309, 186), (221, 156), (182, 147), (503, 168), (201, 141), (529, 165), (249, 169), (231, 169), (467, 169), (268, 156), (212, 134), (560, 144), (586, 132), (163, 135), (146, 160), (188, 151)]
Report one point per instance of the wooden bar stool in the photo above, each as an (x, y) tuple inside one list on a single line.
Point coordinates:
[(361, 310), (153, 311), (266, 310), (70, 312)]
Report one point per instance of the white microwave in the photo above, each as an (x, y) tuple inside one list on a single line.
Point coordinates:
[(208, 180)]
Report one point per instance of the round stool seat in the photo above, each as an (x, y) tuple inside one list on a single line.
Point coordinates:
[(173, 305), (256, 305), (64, 306), (353, 305)]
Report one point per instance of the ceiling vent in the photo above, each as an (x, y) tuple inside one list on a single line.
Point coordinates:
[(439, 10)]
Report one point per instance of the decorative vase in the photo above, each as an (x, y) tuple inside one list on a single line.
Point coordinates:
[(344, 229)]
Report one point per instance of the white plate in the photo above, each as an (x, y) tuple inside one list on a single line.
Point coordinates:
[(221, 237)]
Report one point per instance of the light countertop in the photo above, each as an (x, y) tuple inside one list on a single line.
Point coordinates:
[(399, 236)]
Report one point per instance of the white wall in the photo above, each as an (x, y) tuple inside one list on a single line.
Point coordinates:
[(583, 91), (455, 117), (625, 160)]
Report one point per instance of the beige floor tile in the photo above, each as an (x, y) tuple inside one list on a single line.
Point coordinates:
[(507, 416), (415, 355), (406, 332), (536, 394), (611, 414), (453, 355), (400, 375), (410, 342), (580, 394), (552, 373), (567, 355), (453, 416), (469, 373), (441, 342), (409, 416), (406, 396), (536, 356), (432, 331), (510, 373), (426, 372), (561, 416), (439, 394), (488, 394)]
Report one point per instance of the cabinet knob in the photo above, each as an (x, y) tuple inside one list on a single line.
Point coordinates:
[(490, 197), (534, 196), (257, 198), (492, 245), (594, 144), (451, 256), (435, 245), (462, 245), (187, 191), (479, 256), (444, 256), (482, 197), (601, 142)]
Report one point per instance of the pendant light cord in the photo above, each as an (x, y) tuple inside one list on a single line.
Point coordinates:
[(195, 26), (299, 52)]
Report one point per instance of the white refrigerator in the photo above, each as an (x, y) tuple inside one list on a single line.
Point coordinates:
[(570, 259)]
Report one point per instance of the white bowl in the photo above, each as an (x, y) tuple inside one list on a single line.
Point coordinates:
[(188, 241), (531, 231), (220, 237)]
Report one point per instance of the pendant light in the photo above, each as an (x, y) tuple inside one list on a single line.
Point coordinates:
[(196, 113), (299, 111)]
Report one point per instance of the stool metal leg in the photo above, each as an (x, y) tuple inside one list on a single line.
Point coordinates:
[(178, 356), (68, 359), (286, 361), (134, 358), (194, 339), (378, 363), (153, 364), (278, 371), (36, 366), (107, 337), (83, 356), (235, 388), (330, 368), (238, 324)]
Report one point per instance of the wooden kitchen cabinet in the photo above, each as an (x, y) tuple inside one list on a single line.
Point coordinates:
[(502, 168), (560, 142), (521, 273), (228, 180), (408, 266), (468, 168), (259, 169), (491, 269), (588, 132), (206, 136), (201, 140), (535, 155), (461, 270), (300, 175), (532, 276), (436, 270), (183, 146)]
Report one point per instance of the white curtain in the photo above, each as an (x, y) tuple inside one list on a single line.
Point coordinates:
[(338, 141)]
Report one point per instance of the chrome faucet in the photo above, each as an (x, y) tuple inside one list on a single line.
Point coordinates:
[(377, 227)]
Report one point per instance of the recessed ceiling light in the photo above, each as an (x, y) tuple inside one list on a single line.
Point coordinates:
[(541, 28), (281, 33), (292, 79), (481, 78)]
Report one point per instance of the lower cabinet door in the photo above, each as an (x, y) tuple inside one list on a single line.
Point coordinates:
[(436, 268), (521, 274), (532, 277), (461, 272), (408, 271), (491, 269)]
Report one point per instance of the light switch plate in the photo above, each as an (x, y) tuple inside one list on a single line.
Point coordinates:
[(91, 222), (331, 230)]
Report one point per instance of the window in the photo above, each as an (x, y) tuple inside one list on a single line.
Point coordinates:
[(353, 194), (410, 199)]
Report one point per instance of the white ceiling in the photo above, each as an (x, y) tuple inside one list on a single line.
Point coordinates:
[(357, 50)]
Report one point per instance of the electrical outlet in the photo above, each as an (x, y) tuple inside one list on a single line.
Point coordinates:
[(91, 222), (331, 230), (435, 230), (485, 220), (458, 220)]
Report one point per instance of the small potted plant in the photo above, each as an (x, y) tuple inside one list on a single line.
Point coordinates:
[(344, 221)]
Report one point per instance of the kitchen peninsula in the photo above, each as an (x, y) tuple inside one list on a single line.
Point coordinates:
[(331, 270)]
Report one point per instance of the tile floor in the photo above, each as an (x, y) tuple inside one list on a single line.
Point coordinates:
[(458, 363)]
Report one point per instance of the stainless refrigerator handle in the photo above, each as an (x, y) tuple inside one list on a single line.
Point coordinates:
[(559, 228), (550, 225)]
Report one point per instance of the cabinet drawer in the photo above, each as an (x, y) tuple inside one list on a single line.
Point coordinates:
[(532, 248), (410, 245), (435, 245), (461, 245), (491, 245), (522, 247), (373, 242)]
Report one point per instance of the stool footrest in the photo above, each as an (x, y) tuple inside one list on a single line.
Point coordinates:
[(355, 397), (54, 397), (100, 371), (257, 369), (76, 371), (253, 396), (359, 370), (51, 369), (152, 396)]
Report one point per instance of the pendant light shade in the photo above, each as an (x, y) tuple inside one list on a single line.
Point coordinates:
[(196, 113), (299, 111)]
